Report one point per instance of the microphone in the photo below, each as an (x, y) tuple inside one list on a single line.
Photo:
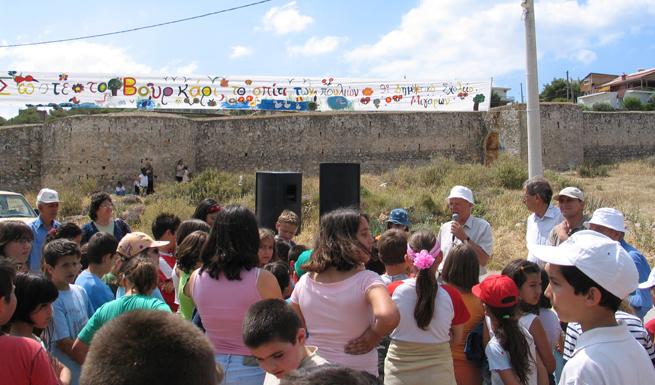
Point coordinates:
[(455, 219)]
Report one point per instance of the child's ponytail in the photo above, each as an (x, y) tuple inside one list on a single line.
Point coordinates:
[(511, 338), (426, 280)]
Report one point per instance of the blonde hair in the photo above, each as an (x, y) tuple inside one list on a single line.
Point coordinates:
[(289, 217)]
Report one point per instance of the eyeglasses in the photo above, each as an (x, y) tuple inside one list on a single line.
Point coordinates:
[(107, 205)]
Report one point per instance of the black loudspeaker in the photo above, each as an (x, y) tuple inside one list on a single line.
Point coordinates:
[(276, 192), (339, 186)]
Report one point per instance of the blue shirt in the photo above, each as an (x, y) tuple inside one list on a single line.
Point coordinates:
[(641, 299), (70, 312), (40, 234), (98, 291)]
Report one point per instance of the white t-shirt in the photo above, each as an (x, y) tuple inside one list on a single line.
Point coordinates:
[(551, 325), (499, 359), (449, 310), (538, 229), (143, 180), (477, 229), (608, 356)]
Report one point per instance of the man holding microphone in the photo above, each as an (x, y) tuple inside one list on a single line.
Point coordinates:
[(465, 228)]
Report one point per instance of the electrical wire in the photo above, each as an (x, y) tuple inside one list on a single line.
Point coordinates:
[(137, 28)]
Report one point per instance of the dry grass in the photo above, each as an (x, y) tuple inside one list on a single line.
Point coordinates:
[(422, 191)]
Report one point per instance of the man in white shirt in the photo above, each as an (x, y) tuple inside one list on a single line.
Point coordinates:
[(537, 194), (589, 276), (465, 228)]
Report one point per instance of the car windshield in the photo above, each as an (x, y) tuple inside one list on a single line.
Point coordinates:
[(15, 206)]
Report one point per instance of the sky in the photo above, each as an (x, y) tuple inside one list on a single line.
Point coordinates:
[(410, 39)]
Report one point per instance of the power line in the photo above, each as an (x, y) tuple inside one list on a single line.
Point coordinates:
[(137, 28)]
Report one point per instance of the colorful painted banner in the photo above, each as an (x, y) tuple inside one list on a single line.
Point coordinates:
[(72, 90)]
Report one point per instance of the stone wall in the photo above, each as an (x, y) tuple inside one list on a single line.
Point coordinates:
[(301, 142), (113, 147), (561, 132), (20, 159), (609, 137)]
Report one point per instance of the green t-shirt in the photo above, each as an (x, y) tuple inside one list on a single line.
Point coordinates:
[(186, 303), (113, 309)]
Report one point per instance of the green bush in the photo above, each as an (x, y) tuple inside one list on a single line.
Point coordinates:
[(509, 172), (631, 103), (590, 170), (603, 107)]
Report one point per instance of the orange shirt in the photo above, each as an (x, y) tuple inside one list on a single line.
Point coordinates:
[(475, 309)]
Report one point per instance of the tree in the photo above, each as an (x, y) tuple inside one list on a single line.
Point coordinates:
[(477, 99), (27, 116), (557, 90), (114, 85)]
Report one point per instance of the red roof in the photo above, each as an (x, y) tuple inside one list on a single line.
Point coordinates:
[(633, 76)]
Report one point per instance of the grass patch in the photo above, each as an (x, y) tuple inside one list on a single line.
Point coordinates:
[(421, 191)]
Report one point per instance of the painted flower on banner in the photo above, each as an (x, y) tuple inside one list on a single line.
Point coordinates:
[(77, 88)]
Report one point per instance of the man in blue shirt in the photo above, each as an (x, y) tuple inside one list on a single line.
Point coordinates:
[(610, 222), (48, 204)]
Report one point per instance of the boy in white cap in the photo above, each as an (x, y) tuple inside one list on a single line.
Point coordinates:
[(465, 228), (610, 222), (589, 276), (47, 201), (571, 204)]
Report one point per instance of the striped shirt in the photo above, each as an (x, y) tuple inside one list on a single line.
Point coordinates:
[(634, 324)]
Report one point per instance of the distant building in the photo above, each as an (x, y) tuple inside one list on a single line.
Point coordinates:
[(502, 95), (592, 83), (640, 84)]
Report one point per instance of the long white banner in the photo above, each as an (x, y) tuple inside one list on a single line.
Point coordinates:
[(83, 90)]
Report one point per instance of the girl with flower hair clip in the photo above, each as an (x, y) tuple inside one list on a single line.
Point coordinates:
[(431, 316)]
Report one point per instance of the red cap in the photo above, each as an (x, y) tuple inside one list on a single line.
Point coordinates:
[(497, 291)]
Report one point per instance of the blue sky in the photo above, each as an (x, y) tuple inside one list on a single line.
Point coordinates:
[(422, 40)]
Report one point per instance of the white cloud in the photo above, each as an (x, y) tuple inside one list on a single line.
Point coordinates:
[(240, 51), (472, 39), (316, 46), (285, 19), (586, 56), (79, 56)]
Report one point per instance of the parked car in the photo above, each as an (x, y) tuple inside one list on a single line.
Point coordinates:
[(14, 206)]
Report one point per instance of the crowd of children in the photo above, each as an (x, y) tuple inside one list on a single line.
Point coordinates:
[(217, 299)]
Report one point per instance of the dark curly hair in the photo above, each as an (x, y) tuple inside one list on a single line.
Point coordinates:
[(96, 201)]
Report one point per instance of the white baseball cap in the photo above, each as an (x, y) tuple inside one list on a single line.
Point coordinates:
[(607, 217), (571, 192), (598, 257), (463, 193), (650, 282), (47, 195)]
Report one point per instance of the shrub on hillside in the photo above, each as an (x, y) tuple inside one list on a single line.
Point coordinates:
[(222, 186), (631, 103), (603, 107), (590, 170), (509, 172)]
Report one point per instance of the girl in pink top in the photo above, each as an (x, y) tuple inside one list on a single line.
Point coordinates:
[(346, 308), (228, 282)]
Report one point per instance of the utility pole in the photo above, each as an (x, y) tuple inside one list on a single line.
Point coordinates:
[(535, 165), (568, 86)]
